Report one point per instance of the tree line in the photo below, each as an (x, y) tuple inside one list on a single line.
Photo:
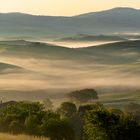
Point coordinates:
[(90, 121)]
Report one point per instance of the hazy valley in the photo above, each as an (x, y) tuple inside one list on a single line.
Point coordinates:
[(69, 77), (33, 70)]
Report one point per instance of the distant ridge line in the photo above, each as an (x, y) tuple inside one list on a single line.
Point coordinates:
[(43, 15)]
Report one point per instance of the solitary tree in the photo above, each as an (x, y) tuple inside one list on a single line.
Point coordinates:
[(83, 96)]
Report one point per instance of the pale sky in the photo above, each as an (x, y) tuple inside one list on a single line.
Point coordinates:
[(63, 7)]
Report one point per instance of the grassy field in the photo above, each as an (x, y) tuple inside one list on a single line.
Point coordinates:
[(19, 137)]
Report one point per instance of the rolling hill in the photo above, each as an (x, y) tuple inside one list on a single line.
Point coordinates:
[(9, 68), (93, 38), (126, 52), (49, 70)]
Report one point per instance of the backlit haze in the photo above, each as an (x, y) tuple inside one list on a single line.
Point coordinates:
[(63, 7)]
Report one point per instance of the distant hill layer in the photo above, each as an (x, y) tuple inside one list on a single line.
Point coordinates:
[(93, 38), (105, 22)]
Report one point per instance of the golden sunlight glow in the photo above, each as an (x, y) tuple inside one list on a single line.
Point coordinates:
[(63, 7)]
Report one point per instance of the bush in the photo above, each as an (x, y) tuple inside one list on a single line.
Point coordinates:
[(57, 129)]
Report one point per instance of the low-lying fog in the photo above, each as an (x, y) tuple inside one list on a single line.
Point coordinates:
[(51, 74), (35, 74), (81, 44), (74, 44)]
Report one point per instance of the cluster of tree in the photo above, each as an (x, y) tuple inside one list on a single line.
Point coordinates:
[(33, 119), (96, 122), (86, 122), (110, 124)]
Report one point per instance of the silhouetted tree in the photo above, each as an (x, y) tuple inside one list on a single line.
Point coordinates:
[(83, 96)]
